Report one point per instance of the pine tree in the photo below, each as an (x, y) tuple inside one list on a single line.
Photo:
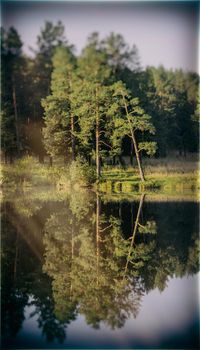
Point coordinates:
[(119, 55), (91, 99), (11, 74), (59, 118), (129, 119)]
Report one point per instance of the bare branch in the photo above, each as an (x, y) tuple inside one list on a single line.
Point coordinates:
[(105, 144)]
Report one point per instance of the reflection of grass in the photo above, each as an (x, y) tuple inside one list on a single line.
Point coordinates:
[(186, 185), (166, 175), (29, 200), (153, 181), (156, 196)]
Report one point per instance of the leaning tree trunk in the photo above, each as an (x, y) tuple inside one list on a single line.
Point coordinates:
[(138, 157), (134, 230), (134, 142)]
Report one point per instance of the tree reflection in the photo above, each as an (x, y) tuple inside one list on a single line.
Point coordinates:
[(98, 273), (87, 259), (92, 267), (22, 279)]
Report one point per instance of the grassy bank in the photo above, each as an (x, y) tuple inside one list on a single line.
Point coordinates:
[(165, 176), (28, 172), (177, 183)]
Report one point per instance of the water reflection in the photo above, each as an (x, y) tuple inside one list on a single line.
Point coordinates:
[(77, 254)]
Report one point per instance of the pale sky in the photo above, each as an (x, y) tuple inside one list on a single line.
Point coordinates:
[(165, 32)]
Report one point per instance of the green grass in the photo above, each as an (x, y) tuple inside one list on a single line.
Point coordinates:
[(28, 172), (175, 182), (166, 176)]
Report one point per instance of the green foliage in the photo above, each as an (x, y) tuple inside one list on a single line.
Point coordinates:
[(102, 274), (119, 54), (149, 227), (92, 103), (149, 147), (50, 37), (21, 172), (57, 106), (55, 132), (129, 118), (95, 264), (171, 98), (133, 117), (12, 64), (80, 173), (91, 100), (196, 115)]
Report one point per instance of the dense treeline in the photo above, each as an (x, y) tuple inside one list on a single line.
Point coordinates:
[(98, 105)]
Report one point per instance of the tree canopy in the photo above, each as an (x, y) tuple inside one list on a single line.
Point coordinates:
[(98, 104)]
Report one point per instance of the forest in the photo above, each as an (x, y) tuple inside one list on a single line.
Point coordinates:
[(100, 181), (99, 107)]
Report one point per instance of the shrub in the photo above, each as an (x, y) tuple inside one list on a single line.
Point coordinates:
[(81, 173), (19, 172)]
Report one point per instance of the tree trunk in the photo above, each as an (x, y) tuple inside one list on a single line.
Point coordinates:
[(98, 170), (97, 150), (131, 155), (41, 158), (134, 142), (72, 239), (72, 137), (98, 208), (16, 256), (72, 124), (120, 210), (6, 158), (135, 230), (72, 258), (121, 161), (138, 157), (50, 161), (16, 118)]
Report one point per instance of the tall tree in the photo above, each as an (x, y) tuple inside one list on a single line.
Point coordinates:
[(170, 97), (120, 56), (49, 38), (11, 75), (59, 118), (130, 119), (91, 97), (39, 80)]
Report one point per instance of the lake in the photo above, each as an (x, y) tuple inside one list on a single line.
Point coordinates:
[(84, 271)]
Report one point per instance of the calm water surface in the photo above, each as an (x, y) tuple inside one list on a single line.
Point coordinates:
[(82, 271)]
